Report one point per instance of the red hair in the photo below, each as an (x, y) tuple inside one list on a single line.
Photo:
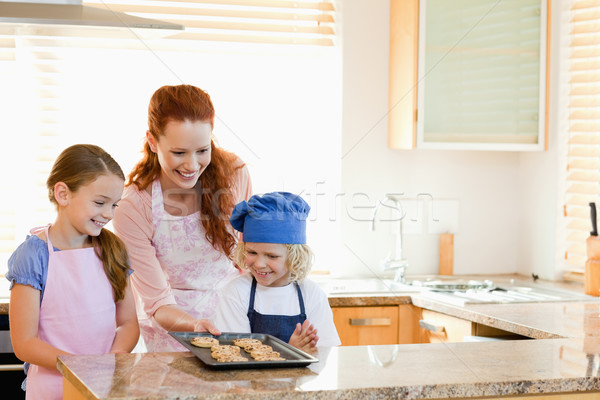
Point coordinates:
[(189, 103)]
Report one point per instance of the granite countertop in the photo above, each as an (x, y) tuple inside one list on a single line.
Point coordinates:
[(567, 361), (420, 371)]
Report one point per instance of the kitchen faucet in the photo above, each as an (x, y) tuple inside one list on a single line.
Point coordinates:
[(395, 262)]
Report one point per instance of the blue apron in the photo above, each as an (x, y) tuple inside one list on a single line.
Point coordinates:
[(280, 326)]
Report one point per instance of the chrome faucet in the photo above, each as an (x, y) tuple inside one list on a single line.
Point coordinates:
[(395, 262)]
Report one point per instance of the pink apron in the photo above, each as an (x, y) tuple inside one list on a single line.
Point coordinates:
[(194, 269), (77, 314)]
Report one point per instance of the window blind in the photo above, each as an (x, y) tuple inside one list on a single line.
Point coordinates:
[(7, 213), (63, 86), (583, 150), (258, 21)]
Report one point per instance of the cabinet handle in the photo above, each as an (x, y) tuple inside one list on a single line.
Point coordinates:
[(431, 326), (370, 321), (11, 367)]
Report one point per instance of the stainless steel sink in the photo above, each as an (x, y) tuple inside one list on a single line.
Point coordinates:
[(453, 286), (503, 293), (366, 285)]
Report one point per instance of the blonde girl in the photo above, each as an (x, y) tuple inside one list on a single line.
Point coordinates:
[(69, 280)]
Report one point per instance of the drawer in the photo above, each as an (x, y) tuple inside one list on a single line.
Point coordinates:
[(366, 325), (438, 328)]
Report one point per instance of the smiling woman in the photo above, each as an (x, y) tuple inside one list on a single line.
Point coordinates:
[(277, 104)]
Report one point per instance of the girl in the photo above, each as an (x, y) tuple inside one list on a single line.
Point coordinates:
[(174, 217), (69, 291), (276, 297)]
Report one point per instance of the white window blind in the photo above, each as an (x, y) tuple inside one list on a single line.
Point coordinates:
[(7, 213), (270, 66), (259, 21), (583, 157)]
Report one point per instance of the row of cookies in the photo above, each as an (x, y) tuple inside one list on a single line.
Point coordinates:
[(258, 351), (227, 353)]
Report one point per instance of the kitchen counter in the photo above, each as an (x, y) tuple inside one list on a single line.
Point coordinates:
[(422, 371), (566, 362), (534, 320)]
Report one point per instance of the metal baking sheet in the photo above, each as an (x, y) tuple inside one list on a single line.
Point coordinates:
[(293, 356)]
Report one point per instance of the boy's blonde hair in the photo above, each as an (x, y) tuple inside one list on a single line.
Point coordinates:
[(299, 259)]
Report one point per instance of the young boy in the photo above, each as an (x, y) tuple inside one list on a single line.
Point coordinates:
[(275, 297)]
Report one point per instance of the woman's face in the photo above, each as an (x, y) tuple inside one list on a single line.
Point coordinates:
[(267, 262), (183, 153)]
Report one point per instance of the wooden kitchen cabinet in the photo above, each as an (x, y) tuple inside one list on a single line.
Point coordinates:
[(372, 325), (406, 324), (440, 328), (366, 325), (457, 81), (436, 327)]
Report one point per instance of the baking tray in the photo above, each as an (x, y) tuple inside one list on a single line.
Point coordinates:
[(293, 356)]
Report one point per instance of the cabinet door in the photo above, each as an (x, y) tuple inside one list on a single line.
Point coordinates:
[(479, 77), (359, 326), (408, 324), (439, 328)]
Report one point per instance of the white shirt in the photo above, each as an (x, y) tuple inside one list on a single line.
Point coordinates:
[(235, 298)]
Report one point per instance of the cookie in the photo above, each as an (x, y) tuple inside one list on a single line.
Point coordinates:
[(257, 353), (204, 341), (243, 342), (225, 348), (257, 347), (268, 357), (229, 358)]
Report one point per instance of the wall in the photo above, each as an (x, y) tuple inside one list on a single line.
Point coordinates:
[(501, 226), (541, 174)]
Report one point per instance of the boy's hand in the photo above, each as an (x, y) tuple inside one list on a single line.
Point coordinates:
[(305, 338)]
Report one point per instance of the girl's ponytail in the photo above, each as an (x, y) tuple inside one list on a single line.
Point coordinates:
[(111, 250)]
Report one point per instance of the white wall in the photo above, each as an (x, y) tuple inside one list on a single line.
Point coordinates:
[(507, 200), (542, 175)]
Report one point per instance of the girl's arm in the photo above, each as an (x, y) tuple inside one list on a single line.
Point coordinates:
[(128, 330), (24, 313), (173, 318)]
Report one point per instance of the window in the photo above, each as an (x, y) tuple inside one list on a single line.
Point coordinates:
[(582, 184), (271, 68)]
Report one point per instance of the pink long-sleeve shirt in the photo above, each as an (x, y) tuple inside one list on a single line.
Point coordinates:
[(133, 224)]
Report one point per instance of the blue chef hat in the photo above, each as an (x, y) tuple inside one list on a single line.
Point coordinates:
[(278, 217)]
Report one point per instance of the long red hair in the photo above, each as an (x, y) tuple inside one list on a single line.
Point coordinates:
[(189, 103)]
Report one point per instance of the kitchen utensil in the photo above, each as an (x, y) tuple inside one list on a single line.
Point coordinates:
[(592, 277), (293, 356), (594, 231), (592, 265)]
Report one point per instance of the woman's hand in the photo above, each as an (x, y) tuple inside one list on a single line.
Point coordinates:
[(173, 318), (206, 325), (305, 337)]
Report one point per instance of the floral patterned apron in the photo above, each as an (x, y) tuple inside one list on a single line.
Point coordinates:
[(194, 269)]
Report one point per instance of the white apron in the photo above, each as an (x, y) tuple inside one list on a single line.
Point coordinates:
[(194, 269), (77, 314)]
